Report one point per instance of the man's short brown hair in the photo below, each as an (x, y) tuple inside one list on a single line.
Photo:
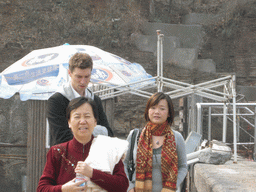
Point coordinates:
[(80, 60)]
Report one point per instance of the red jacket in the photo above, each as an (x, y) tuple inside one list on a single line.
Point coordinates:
[(61, 162)]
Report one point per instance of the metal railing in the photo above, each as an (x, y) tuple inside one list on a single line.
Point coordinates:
[(234, 107)]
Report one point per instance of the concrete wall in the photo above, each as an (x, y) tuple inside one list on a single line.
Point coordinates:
[(13, 142), (190, 36)]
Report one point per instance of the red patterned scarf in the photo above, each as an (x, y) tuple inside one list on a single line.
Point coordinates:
[(169, 158)]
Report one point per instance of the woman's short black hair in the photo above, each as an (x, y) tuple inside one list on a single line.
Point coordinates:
[(77, 102), (154, 100)]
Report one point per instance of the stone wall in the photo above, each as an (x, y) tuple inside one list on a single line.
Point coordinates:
[(13, 143), (230, 40), (244, 56)]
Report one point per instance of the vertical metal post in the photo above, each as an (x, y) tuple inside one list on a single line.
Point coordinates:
[(224, 134), (158, 59), (234, 118), (199, 118), (189, 120), (161, 54), (161, 62), (238, 125), (254, 155), (193, 112), (209, 124)]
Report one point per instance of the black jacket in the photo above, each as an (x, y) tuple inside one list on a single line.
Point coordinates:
[(56, 114)]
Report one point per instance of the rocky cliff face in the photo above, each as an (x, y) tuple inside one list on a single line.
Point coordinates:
[(229, 30)]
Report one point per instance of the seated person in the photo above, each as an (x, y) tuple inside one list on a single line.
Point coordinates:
[(59, 172)]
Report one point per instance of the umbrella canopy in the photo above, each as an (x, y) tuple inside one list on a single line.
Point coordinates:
[(40, 73)]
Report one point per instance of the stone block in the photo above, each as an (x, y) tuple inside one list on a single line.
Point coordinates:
[(197, 18), (185, 57), (169, 46), (206, 65), (145, 42), (190, 36), (216, 158), (248, 92), (149, 43), (219, 154)]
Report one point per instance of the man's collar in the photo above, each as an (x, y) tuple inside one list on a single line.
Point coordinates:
[(87, 93), (75, 92)]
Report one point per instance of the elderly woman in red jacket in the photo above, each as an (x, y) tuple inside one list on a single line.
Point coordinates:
[(60, 169)]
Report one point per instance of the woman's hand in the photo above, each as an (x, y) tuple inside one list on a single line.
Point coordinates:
[(73, 186), (131, 190), (84, 169)]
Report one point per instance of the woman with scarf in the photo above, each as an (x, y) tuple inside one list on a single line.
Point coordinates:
[(159, 155), (66, 159)]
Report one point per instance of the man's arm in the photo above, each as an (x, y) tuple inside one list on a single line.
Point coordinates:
[(102, 116), (56, 114)]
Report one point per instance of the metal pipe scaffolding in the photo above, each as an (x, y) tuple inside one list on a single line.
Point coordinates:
[(176, 89), (234, 118), (234, 114), (159, 60)]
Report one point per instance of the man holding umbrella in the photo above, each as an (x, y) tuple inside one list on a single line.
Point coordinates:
[(80, 68)]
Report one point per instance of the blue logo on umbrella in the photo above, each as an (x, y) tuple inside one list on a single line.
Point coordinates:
[(26, 76), (41, 59), (100, 75)]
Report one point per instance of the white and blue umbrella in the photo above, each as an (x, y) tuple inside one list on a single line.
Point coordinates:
[(40, 73)]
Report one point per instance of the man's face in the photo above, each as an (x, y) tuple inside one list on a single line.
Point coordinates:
[(80, 79)]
